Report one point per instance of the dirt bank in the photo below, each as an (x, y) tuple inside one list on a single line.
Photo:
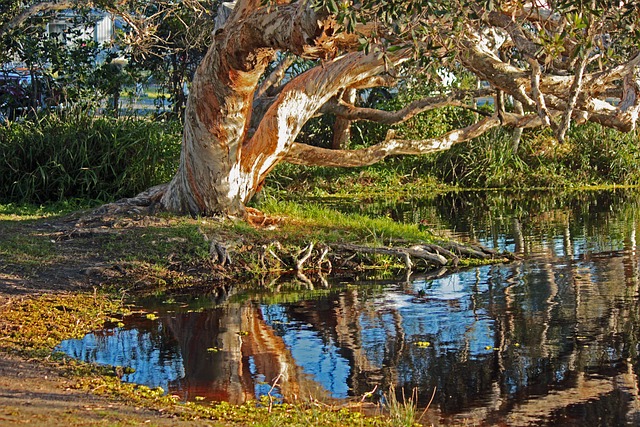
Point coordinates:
[(32, 393)]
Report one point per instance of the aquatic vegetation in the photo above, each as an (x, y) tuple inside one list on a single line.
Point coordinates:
[(401, 413), (34, 326)]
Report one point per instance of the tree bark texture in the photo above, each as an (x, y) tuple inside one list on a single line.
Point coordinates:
[(224, 161)]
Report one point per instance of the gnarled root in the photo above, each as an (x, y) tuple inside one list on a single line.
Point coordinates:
[(144, 203), (433, 256)]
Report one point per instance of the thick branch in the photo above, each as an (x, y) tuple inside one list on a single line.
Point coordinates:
[(301, 98), (501, 75), (315, 156)]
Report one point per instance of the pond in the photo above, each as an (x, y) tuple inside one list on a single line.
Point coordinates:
[(548, 340)]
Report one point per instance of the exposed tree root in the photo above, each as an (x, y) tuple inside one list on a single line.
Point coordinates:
[(319, 259), (145, 203), (430, 257), (433, 256)]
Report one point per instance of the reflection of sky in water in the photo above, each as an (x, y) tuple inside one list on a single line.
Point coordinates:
[(444, 314), (316, 356), (450, 315), (261, 386), (132, 348)]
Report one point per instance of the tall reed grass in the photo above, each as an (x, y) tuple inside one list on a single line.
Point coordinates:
[(76, 155)]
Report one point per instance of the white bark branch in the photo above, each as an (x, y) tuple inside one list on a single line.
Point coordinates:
[(575, 90), (301, 98), (536, 93), (315, 156)]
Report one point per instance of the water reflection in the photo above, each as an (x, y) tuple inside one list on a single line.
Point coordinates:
[(550, 340)]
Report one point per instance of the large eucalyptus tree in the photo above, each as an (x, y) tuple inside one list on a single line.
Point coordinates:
[(564, 61)]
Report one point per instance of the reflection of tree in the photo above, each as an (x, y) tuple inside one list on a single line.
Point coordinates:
[(228, 351), (593, 295), (564, 328), (553, 337)]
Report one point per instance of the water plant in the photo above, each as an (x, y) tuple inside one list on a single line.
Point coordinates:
[(401, 413)]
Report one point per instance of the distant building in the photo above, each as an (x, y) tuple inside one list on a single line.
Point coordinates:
[(100, 28)]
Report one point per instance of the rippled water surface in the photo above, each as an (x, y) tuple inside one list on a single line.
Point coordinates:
[(549, 340)]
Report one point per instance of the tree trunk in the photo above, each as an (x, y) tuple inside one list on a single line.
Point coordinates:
[(223, 161)]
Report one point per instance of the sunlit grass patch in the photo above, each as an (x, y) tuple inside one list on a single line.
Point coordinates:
[(312, 221), (28, 249), (162, 244), (30, 211)]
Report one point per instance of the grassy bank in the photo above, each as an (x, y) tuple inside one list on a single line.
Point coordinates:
[(69, 281)]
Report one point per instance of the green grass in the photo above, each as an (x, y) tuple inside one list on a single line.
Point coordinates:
[(28, 250), (31, 211), (72, 154), (152, 244), (313, 221), (402, 413)]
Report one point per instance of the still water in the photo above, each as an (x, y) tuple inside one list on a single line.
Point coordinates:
[(549, 340)]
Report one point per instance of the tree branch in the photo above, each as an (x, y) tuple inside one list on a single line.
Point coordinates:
[(351, 112), (302, 97), (515, 31), (342, 125), (536, 93), (576, 87), (33, 10), (276, 76), (303, 154)]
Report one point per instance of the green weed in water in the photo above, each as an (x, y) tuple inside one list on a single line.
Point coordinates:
[(401, 413)]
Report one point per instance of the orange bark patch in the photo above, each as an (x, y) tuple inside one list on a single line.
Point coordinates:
[(241, 81), (208, 107), (265, 144), (260, 219), (193, 187)]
